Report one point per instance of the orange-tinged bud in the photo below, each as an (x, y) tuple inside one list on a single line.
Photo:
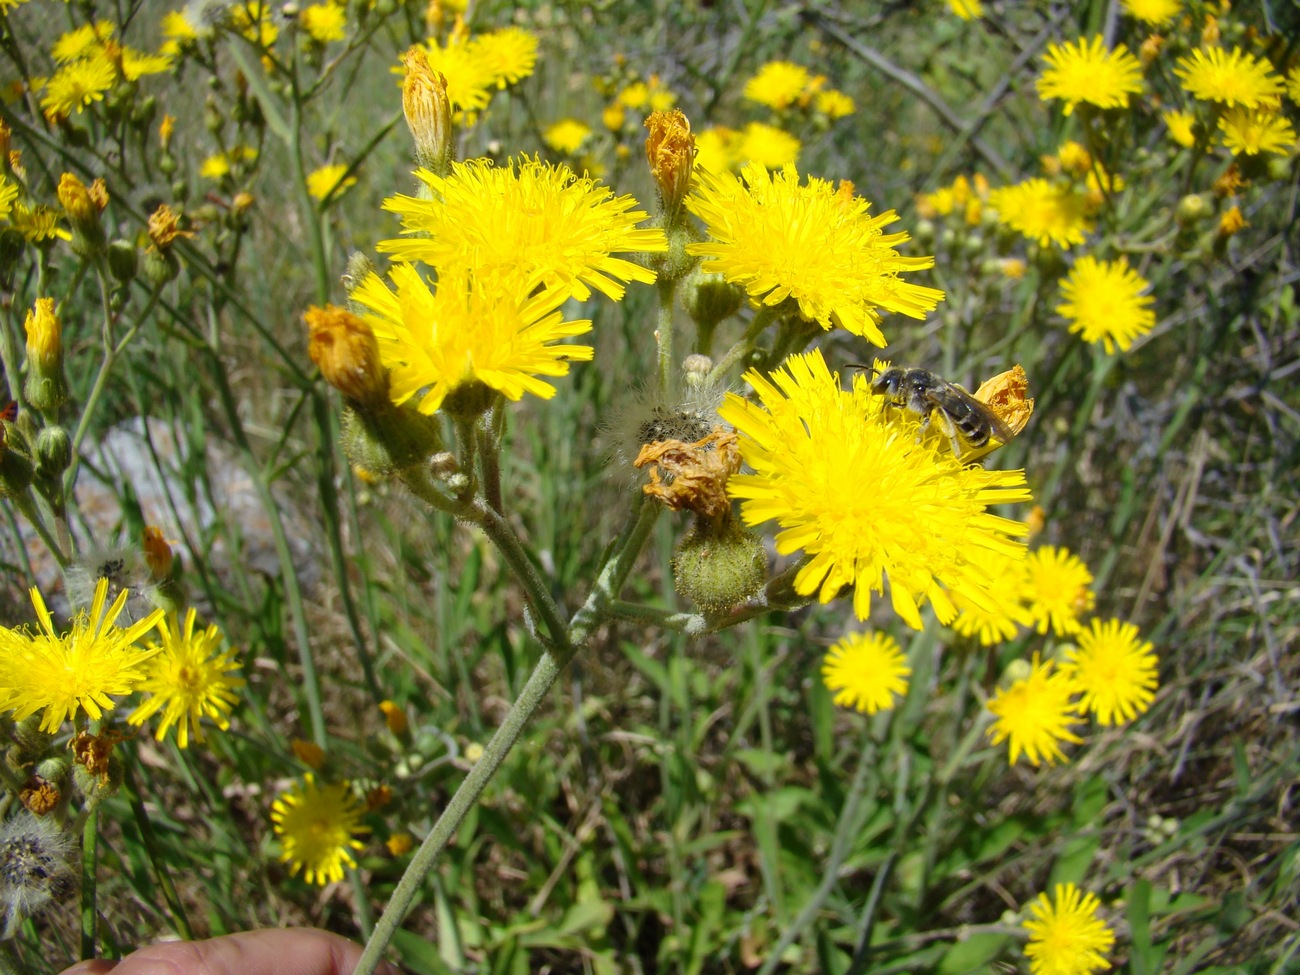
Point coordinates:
[(1210, 32), (1150, 49), (394, 716), (157, 553), (165, 129), (1231, 222), (428, 111), (670, 151), (345, 349), (309, 753), (83, 208), (399, 844)]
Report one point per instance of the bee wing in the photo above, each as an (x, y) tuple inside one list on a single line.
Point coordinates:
[(1000, 430)]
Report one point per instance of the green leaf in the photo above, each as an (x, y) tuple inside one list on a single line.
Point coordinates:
[(972, 953)]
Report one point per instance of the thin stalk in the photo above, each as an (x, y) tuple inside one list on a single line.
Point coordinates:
[(89, 846), (745, 345), (844, 831), (612, 577), (9, 358), (512, 550), (667, 289)]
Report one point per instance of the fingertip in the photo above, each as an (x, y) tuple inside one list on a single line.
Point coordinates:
[(98, 966)]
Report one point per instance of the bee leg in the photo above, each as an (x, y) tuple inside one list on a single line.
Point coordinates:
[(950, 428)]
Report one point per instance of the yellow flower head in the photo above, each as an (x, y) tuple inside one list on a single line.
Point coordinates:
[(1156, 13), (1043, 212), (670, 154), (222, 164), (967, 9), (324, 22), (990, 623), (177, 32), (75, 86), (1065, 935), (1057, 589), (1248, 132), (1035, 715), (507, 55), (557, 229), (83, 668), (851, 483), (8, 194), (834, 104), (714, 149), (779, 84), (1104, 302), (470, 329), (766, 145), (38, 224), (427, 108), (82, 42), (649, 95), (1181, 125), (1085, 71), (135, 64), (315, 825), (328, 181), (1114, 670), (865, 671), (812, 244), (567, 135), (1231, 222), (394, 717), (1230, 77), (190, 678)]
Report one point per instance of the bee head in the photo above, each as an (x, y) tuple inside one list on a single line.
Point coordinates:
[(888, 382)]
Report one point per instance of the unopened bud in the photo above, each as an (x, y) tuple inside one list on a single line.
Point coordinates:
[(716, 567), (45, 387), (123, 261), (345, 349), (53, 451), (670, 151), (83, 209), (428, 111), (159, 267), (1192, 209)]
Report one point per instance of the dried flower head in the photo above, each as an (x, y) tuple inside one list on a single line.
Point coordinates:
[(698, 472)]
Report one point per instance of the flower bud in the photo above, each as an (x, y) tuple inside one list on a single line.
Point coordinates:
[(123, 261), (53, 452), (83, 208), (670, 151), (1192, 209), (428, 112), (709, 299), (46, 387), (159, 267), (385, 440), (716, 567), (345, 349)]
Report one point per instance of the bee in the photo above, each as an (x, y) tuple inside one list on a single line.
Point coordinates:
[(965, 419)]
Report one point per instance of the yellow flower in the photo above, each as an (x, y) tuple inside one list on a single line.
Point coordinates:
[(253, 21), (567, 135), (38, 223), (324, 22), (44, 337), (188, 679), (394, 717), (1086, 72), (507, 55), (1180, 125), (557, 229), (1104, 302), (1035, 715), (851, 483), (1293, 84), (651, 95), (1157, 13), (991, 623), (967, 9), (834, 104), (1043, 212), (315, 825), (1057, 589), (812, 244), (82, 42), (1113, 670), (865, 671), (8, 193), (223, 163), (1065, 935), (74, 86), (713, 149), (325, 181), (83, 668), (177, 31), (766, 145), (1249, 132), (778, 84), (1231, 222), (136, 64), (468, 330), (1231, 77)]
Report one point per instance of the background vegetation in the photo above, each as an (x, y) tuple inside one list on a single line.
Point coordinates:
[(679, 804)]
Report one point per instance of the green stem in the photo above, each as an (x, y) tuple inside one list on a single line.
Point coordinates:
[(89, 841), (844, 831), (762, 318), (507, 542), (9, 359), (111, 352), (426, 858), (667, 289), (612, 577)]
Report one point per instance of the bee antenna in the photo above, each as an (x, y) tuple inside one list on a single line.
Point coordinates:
[(863, 366)]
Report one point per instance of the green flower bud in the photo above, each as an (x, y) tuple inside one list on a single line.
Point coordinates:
[(159, 267), (717, 567), (53, 452), (123, 261), (385, 440)]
